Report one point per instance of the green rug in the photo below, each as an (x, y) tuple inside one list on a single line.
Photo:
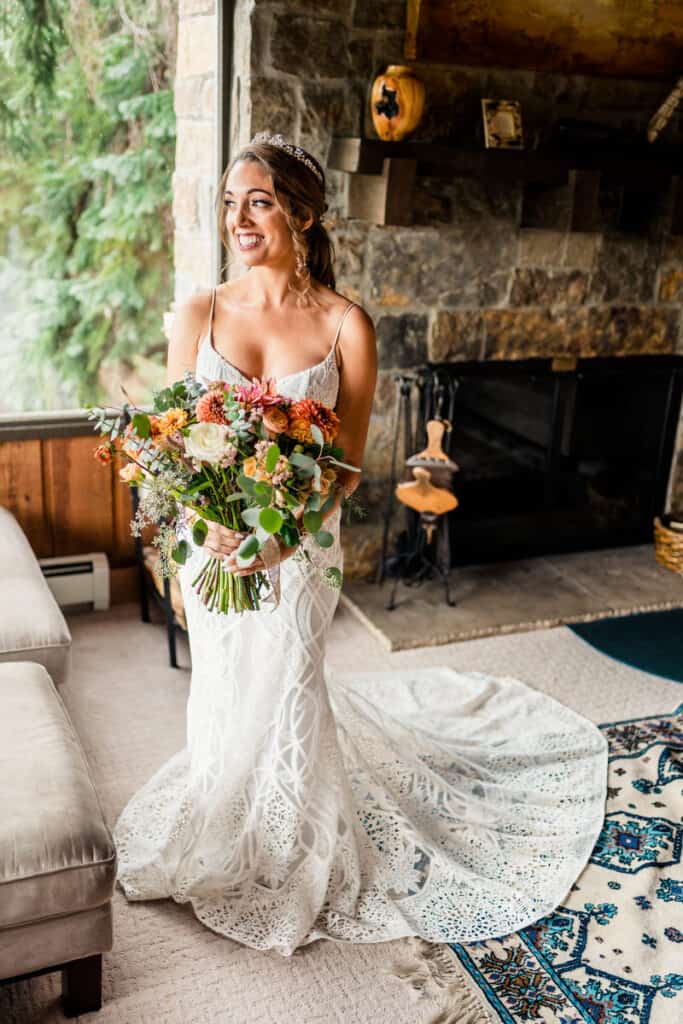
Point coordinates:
[(651, 641)]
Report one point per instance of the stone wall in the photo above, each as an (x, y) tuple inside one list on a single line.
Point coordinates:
[(194, 180), (485, 270)]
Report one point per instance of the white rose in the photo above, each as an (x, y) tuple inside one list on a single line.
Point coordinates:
[(207, 442)]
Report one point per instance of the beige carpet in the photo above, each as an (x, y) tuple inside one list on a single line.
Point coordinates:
[(506, 597), (166, 968)]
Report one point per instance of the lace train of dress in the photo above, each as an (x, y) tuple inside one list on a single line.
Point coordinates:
[(308, 804)]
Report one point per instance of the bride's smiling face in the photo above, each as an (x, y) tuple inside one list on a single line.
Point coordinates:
[(256, 226)]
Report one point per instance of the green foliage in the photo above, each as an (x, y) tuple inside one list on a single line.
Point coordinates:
[(200, 532), (313, 521), (88, 142), (180, 552), (270, 519)]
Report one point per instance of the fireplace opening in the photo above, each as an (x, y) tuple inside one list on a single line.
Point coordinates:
[(555, 460)]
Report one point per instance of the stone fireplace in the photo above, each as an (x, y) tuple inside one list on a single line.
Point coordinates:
[(484, 271), (554, 455)]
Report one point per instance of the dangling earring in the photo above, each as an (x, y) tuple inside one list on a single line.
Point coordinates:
[(300, 264)]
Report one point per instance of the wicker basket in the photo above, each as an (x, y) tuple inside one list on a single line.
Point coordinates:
[(668, 546)]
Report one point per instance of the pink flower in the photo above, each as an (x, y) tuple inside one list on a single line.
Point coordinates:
[(230, 456), (261, 393)]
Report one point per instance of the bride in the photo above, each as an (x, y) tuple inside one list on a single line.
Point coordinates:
[(308, 804)]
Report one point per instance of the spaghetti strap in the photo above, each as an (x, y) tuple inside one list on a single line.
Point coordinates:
[(209, 331), (336, 339)]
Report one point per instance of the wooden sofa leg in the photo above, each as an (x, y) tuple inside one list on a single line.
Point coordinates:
[(82, 986)]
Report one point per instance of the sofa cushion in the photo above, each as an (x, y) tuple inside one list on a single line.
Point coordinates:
[(32, 627), (57, 855)]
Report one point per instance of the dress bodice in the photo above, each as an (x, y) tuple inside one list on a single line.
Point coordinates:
[(320, 382)]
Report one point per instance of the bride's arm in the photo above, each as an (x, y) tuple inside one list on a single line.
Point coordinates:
[(356, 393), (190, 322)]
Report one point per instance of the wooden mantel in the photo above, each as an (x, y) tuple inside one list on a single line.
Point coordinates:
[(383, 173)]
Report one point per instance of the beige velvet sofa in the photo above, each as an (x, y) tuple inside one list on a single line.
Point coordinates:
[(57, 855), (32, 627)]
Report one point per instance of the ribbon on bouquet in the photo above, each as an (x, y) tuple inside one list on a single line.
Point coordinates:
[(270, 555)]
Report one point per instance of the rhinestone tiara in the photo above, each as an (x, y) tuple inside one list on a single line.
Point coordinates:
[(295, 151)]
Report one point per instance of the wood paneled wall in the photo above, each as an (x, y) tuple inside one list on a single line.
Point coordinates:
[(66, 502)]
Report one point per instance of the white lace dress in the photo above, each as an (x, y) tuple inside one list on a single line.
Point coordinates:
[(359, 808)]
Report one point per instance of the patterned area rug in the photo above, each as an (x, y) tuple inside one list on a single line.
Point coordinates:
[(614, 953)]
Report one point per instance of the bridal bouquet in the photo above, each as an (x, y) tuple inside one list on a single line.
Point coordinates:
[(240, 455)]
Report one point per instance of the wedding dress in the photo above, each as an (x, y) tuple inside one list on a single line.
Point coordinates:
[(362, 807)]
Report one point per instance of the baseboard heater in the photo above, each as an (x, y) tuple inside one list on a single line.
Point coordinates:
[(78, 579)]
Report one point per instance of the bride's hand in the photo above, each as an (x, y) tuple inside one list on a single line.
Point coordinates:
[(221, 540), (258, 565)]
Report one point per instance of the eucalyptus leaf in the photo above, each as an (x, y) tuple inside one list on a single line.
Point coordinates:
[(263, 494), (303, 462), (246, 483), (272, 455), (249, 546), (199, 532), (324, 538), (345, 465), (316, 434), (270, 519), (180, 553), (313, 503), (313, 521), (251, 516)]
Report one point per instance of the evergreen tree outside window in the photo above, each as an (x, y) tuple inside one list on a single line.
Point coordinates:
[(87, 146)]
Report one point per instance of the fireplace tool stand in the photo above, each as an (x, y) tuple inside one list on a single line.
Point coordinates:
[(422, 550), (423, 560)]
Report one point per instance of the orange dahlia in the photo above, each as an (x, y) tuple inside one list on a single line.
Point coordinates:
[(171, 421), (211, 407), (306, 412)]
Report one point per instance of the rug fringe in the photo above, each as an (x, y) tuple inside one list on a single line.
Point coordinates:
[(432, 970)]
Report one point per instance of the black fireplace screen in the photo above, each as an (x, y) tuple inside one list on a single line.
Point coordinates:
[(554, 460)]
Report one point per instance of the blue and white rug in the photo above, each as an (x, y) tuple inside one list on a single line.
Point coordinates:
[(613, 954)]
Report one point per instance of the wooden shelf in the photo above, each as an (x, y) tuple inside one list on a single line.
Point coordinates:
[(383, 173)]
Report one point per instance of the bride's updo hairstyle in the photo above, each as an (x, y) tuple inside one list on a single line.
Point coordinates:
[(299, 186)]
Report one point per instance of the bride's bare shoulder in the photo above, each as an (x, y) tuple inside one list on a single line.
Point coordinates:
[(337, 303), (193, 312), (190, 322)]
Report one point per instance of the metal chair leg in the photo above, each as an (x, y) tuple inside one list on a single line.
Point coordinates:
[(170, 624)]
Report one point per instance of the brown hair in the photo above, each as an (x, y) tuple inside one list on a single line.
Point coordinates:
[(299, 195)]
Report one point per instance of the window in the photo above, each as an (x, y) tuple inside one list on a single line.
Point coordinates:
[(86, 229)]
